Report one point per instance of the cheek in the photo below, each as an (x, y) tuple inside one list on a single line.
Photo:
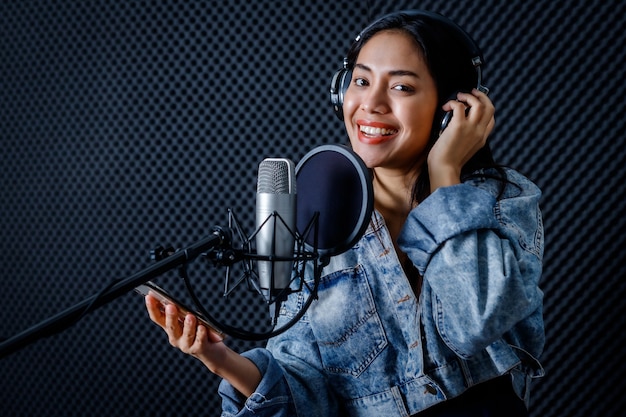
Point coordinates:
[(352, 134), (349, 104), (420, 120)]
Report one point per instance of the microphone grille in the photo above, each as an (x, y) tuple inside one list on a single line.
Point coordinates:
[(276, 176)]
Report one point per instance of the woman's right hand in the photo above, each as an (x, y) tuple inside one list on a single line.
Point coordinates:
[(196, 340), (466, 134), (189, 336)]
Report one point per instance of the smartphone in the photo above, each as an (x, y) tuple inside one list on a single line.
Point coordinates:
[(165, 298)]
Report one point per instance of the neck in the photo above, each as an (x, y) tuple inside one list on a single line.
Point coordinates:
[(393, 198)]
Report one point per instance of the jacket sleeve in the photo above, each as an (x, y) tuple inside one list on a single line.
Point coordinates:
[(293, 383), (271, 398), (482, 259)]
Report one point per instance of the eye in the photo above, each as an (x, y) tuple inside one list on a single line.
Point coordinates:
[(403, 88), (360, 82)]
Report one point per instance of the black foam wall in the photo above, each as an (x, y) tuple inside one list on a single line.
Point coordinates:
[(126, 125)]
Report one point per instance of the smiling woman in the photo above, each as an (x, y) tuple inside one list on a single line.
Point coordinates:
[(436, 311)]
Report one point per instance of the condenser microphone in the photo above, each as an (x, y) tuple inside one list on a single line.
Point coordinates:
[(276, 225)]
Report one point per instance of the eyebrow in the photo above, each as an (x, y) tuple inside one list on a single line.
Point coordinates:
[(397, 73)]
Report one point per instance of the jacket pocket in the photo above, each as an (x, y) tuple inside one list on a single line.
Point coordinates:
[(345, 322)]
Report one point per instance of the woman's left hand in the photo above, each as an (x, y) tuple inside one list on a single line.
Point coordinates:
[(471, 123)]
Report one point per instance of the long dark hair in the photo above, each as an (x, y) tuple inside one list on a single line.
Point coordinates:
[(449, 62)]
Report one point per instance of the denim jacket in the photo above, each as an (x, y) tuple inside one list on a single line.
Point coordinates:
[(371, 347)]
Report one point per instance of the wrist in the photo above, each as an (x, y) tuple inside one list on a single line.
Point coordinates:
[(238, 370), (444, 177)]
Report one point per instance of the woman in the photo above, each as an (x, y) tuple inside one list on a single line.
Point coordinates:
[(436, 311)]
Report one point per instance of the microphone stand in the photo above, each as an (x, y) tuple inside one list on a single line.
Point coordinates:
[(63, 320)]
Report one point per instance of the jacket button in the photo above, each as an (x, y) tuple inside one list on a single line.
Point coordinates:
[(430, 389)]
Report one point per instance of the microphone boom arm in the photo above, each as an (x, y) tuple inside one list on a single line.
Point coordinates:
[(67, 318)]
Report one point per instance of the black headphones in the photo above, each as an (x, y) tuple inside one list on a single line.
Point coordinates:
[(341, 79)]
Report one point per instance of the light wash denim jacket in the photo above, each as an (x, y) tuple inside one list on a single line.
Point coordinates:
[(368, 347)]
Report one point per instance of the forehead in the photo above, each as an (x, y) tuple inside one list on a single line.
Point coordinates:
[(391, 46)]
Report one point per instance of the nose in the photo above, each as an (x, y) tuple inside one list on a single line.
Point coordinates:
[(375, 100)]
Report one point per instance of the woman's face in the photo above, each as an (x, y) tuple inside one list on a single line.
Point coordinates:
[(391, 102)]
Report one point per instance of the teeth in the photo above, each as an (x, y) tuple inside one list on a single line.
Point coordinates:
[(377, 131)]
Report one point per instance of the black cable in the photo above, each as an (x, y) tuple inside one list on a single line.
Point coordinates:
[(90, 307), (63, 325), (248, 335)]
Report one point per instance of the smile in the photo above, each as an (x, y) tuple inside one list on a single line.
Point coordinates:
[(377, 131)]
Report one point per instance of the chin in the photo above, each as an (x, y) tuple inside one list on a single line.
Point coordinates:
[(371, 159)]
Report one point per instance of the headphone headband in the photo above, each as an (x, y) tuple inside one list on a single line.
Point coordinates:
[(469, 43)]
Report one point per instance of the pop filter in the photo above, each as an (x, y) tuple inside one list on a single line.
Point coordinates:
[(334, 182)]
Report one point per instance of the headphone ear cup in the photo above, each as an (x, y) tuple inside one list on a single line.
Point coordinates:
[(338, 87), (445, 118), (444, 121)]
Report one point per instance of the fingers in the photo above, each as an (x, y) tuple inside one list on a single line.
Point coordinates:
[(187, 335), (156, 310), (193, 335), (456, 106), (472, 111), (481, 108), (167, 317), (173, 326)]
